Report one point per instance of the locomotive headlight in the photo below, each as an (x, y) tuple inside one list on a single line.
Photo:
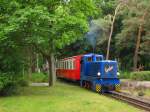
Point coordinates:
[(118, 73), (98, 74)]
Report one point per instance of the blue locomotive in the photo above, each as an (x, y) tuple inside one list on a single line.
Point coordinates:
[(98, 74)]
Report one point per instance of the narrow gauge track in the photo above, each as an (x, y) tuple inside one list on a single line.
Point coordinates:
[(138, 102)]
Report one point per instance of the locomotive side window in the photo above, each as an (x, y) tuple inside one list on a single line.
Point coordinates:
[(98, 58), (89, 59)]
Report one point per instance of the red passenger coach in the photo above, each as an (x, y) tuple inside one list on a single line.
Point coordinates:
[(69, 68)]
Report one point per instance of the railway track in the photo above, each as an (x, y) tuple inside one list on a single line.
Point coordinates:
[(138, 102)]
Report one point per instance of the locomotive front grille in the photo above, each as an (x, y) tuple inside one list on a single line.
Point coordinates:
[(108, 87), (98, 87), (117, 87)]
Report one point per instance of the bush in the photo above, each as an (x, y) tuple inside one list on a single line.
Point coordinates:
[(23, 82), (124, 75), (39, 77), (10, 88), (7, 86), (142, 75)]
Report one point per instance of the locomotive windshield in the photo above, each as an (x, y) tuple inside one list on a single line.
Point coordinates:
[(89, 59), (98, 59)]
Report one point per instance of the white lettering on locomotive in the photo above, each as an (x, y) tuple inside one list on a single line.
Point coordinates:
[(108, 69)]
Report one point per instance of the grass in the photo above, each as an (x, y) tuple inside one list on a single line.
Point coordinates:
[(147, 92), (61, 98), (39, 77)]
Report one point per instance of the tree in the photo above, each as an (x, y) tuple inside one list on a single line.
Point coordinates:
[(122, 3), (135, 30), (48, 25), (135, 59)]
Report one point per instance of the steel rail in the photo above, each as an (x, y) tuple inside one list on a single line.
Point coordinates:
[(138, 102)]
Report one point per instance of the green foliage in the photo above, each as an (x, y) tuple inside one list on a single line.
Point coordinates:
[(7, 85), (47, 29), (125, 75), (10, 67), (126, 39), (10, 85), (142, 75), (45, 26), (23, 82), (39, 77)]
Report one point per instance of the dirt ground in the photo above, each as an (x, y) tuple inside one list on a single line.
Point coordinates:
[(136, 88)]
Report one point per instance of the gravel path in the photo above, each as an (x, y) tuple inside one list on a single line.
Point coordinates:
[(126, 83), (39, 84), (145, 84)]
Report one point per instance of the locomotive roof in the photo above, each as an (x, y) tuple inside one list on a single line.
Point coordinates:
[(91, 54)]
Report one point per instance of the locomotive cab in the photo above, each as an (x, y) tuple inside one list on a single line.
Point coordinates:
[(99, 74)]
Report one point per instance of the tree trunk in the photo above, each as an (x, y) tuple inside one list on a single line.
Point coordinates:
[(51, 70), (37, 63), (111, 31), (135, 58), (29, 62)]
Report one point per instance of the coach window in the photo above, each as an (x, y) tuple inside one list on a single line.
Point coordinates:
[(66, 64), (63, 64), (70, 64), (57, 66), (73, 64), (60, 63)]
